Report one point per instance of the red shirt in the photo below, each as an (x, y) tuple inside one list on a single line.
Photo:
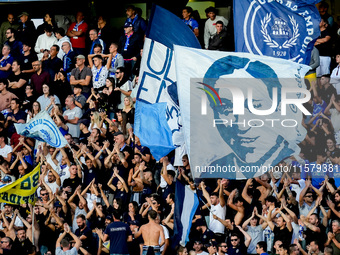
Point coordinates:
[(78, 41)]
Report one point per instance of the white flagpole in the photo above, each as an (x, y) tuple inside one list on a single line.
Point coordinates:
[(75, 157), (33, 225)]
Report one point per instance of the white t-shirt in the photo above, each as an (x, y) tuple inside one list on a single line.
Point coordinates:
[(17, 223), (163, 183), (76, 213), (53, 186), (5, 150), (63, 173), (127, 86), (73, 129), (298, 188), (166, 236), (99, 76), (219, 211)]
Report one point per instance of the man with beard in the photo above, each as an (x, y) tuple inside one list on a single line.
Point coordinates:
[(16, 46), (85, 234), (72, 116), (334, 211), (10, 23), (21, 244), (123, 85)]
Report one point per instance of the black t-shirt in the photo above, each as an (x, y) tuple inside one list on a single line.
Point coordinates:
[(26, 62), (282, 234), (83, 137), (87, 243), (73, 183), (28, 102), (326, 94), (20, 92), (89, 175), (21, 247), (240, 250), (325, 49), (319, 236)]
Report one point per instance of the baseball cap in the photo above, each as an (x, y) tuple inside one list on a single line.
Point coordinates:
[(211, 243), (128, 24), (7, 179), (22, 14), (118, 133), (81, 57), (109, 217)]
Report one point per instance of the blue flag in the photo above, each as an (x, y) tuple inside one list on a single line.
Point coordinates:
[(186, 201), (158, 84), (283, 29), (42, 128)]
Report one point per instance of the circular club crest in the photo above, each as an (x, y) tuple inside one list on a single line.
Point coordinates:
[(267, 33)]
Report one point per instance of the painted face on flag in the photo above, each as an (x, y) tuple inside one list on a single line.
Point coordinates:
[(250, 142)]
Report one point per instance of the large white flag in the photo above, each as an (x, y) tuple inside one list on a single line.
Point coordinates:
[(241, 113)]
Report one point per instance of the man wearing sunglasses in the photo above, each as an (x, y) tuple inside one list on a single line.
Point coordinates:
[(222, 248), (306, 199), (236, 246)]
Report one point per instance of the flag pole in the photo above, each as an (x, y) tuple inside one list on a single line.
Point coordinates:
[(33, 225), (75, 157)]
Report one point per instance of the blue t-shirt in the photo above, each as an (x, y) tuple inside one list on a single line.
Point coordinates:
[(193, 24), (318, 108), (118, 233), (28, 159), (5, 74)]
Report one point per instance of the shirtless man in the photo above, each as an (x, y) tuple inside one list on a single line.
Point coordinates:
[(238, 206), (151, 233)]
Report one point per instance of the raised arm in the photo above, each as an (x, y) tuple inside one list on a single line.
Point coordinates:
[(246, 222), (303, 192), (205, 194), (70, 200), (115, 170), (245, 195), (109, 183), (221, 194), (269, 219), (106, 201), (231, 200), (287, 220), (246, 235)]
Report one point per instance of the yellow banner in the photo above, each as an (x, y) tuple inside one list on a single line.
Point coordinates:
[(22, 191)]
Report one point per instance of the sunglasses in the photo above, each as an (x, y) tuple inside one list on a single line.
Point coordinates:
[(45, 194), (224, 246), (308, 196), (117, 72), (233, 240)]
